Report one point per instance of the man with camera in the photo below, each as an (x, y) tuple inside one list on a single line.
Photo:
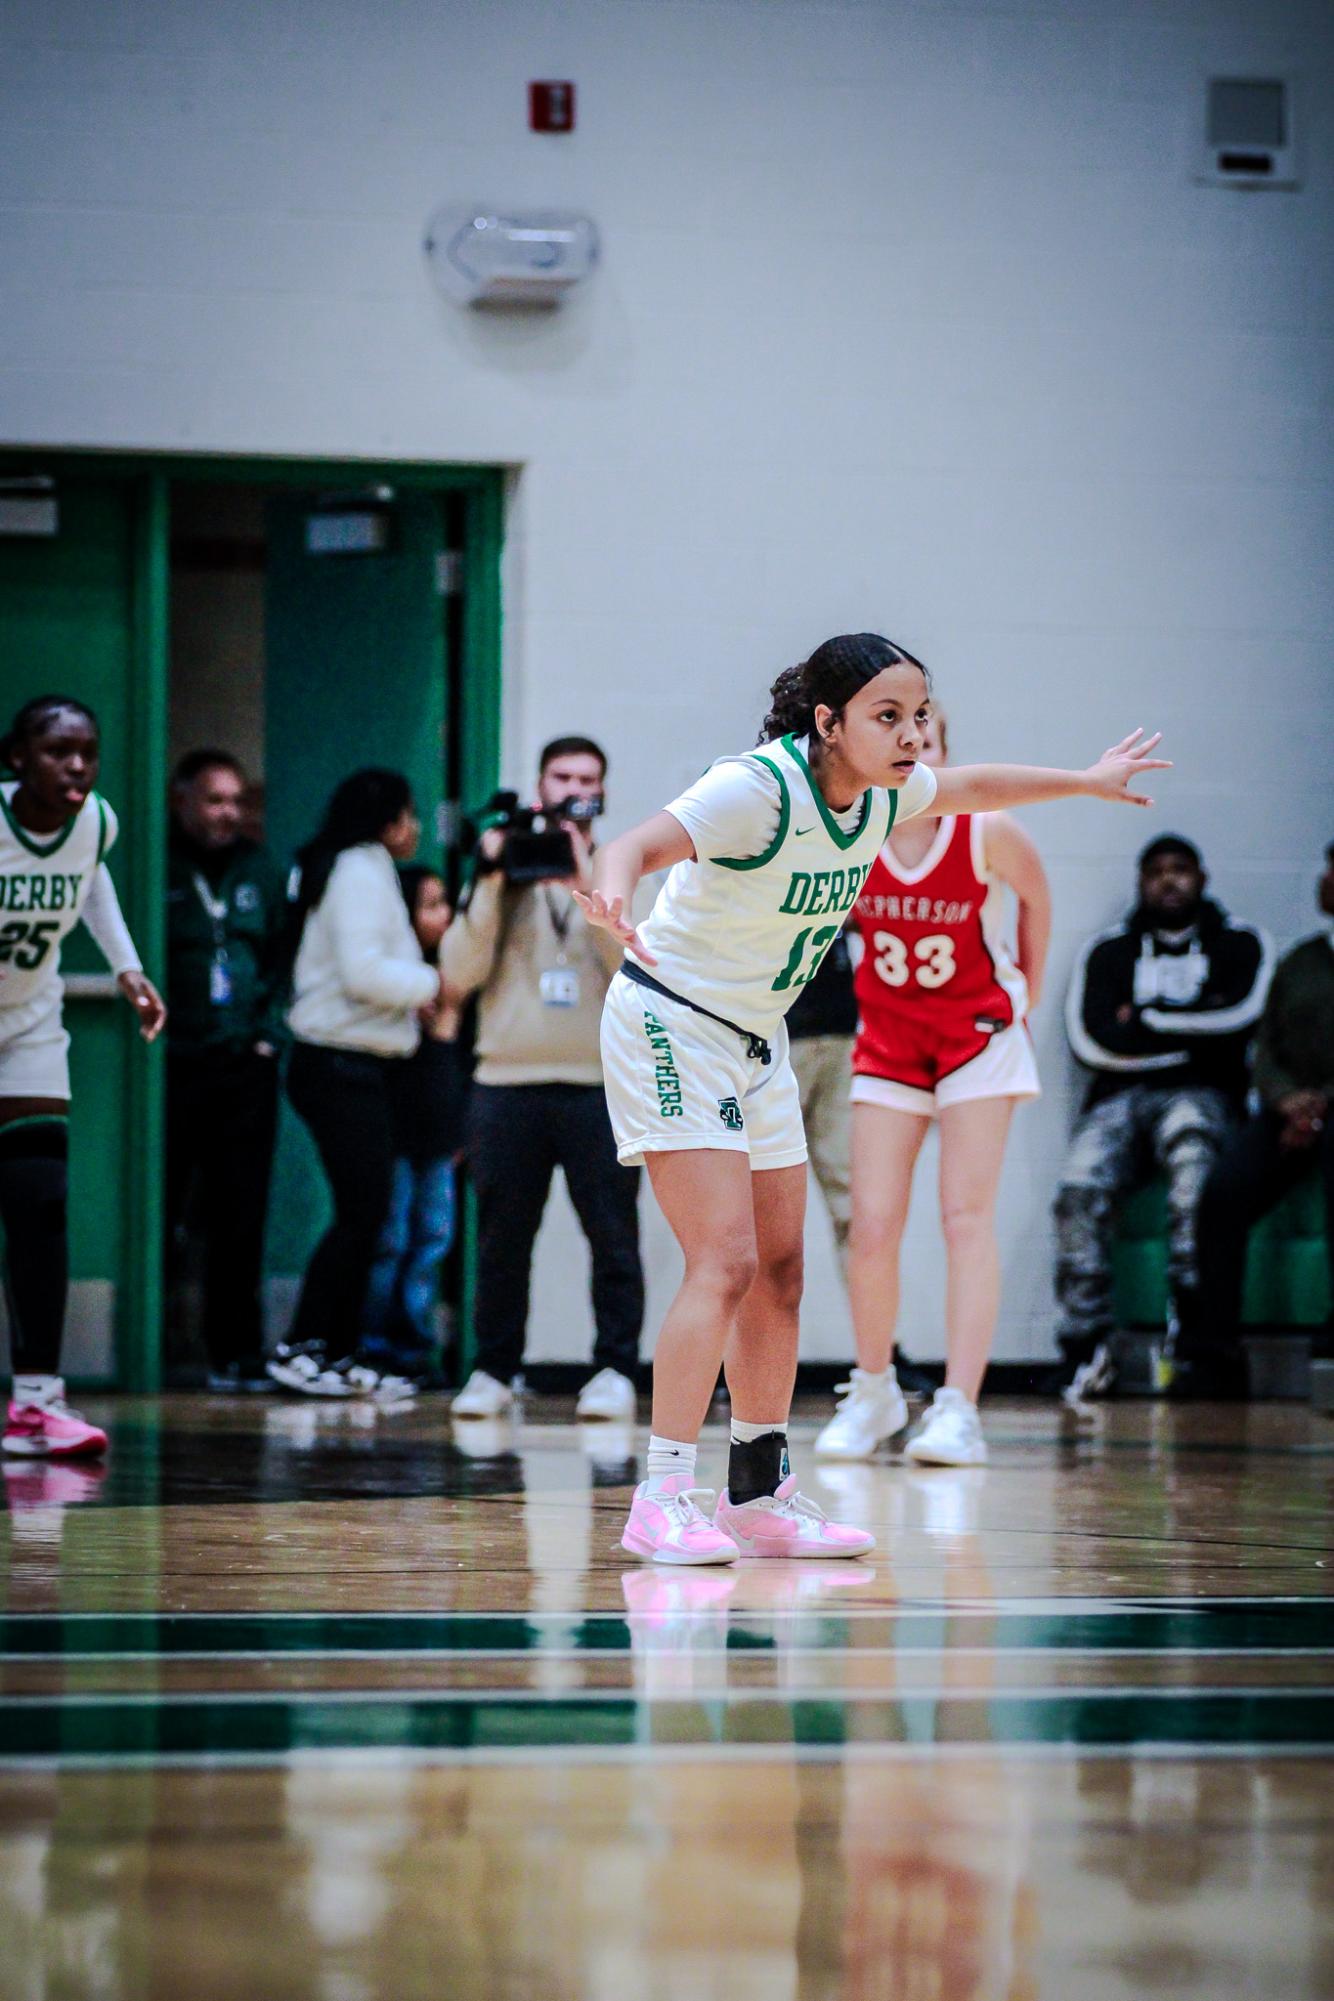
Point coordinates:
[(541, 974)]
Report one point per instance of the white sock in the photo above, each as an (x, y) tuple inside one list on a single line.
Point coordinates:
[(39, 1389), (877, 1379), (746, 1434), (668, 1458)]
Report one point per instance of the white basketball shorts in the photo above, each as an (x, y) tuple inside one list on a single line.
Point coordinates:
[(677, 1081), (34, 1060), (1006, 1068)]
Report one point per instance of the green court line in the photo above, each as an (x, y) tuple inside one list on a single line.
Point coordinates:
[(1176, 1629), (216, 1726)]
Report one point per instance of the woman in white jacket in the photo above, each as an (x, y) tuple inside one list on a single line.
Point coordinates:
[(359, 984)]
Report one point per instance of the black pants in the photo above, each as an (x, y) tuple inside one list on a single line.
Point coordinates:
[(518, 1134), (1251, 1176), (222, 1118), (355, 1107)]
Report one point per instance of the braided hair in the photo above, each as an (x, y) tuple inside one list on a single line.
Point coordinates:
[(829, 679), (30, 718)]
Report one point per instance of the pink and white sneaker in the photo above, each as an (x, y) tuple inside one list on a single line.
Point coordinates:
[(787, 1524), (669, 1528), (50, 1431)]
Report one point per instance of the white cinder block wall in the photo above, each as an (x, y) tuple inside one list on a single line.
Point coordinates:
[(910, 318)]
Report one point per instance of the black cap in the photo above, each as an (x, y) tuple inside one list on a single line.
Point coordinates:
[(1170, 844)]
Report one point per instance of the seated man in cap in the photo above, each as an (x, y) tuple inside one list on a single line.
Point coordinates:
[(1161, 1009)]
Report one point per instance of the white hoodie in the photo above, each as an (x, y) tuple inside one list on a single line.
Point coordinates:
[(360, 976)]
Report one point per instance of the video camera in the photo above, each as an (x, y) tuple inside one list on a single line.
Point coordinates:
[(537, 848)]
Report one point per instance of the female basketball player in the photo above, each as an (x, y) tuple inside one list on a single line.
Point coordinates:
[(942, 1007), (768, 853), (54, 841)]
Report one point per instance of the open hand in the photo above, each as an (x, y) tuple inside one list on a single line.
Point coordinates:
[(148, 1004), (1110, 777), (609, 917)]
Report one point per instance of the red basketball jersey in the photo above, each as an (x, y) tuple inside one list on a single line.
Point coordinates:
[(936, 979)]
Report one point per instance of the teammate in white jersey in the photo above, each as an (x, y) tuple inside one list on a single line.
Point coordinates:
[(767, 854), (55, 832)]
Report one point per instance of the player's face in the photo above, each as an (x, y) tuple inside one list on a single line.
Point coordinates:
[(402, 835), (578, 776), (59, 763), (1171, 886), (882, 729), (431, 914), (209, 807)]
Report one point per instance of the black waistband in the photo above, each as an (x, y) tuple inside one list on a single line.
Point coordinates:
[(756, 1046)]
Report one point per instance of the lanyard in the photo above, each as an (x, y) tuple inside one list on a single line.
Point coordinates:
[(560, 919), (215, 909)]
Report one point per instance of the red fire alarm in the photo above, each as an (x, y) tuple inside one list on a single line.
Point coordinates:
[(551, 107)]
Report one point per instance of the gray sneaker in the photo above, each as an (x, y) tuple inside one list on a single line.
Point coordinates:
[(1092, 1379), (305, 1369)]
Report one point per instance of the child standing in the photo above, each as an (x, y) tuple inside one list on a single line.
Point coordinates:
[(419, 1229), (768, 853)]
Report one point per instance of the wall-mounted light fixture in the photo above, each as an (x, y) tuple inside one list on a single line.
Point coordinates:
[(488, 257)]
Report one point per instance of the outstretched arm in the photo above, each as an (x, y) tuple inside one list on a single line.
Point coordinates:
[(988, 788), (619, 868)]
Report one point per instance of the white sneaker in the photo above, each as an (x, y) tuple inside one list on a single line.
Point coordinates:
[(482, 1396), (870, 1413), (608, 1395), (949, 1435)]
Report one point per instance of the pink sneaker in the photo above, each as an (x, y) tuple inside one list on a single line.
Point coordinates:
[(789, 1525), (669, 1527), (50, 1431)]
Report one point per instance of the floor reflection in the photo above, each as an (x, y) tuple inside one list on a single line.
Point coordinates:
[(502, 1761)]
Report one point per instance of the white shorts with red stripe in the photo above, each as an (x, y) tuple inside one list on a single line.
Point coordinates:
[(1006, 1068)]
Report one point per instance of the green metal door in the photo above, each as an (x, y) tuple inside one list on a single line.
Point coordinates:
[(80, 610), (356, 674)]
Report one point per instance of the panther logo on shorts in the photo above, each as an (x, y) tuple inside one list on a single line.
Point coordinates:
[(729, 1111)]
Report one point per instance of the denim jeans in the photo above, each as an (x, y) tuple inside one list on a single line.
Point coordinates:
[(416, 1239)]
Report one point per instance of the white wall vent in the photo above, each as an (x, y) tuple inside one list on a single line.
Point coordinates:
[(1248, 139)]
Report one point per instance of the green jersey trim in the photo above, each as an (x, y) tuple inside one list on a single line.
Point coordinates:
[(25, 840), (832, 828), (784, 818), (36, 1119), (101, 828)]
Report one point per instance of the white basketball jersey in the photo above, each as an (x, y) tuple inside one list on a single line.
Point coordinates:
[(741, 935), (44, 882)]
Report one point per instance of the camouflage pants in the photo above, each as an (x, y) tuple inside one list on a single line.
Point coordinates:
[(1117, 1145)]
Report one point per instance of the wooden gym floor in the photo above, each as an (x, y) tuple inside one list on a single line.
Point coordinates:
[(340, 1704)]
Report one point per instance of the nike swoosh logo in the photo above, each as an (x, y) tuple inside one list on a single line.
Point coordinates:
[(799, 831)]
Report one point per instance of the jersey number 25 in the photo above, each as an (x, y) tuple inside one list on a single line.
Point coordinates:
[(934, 956)]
